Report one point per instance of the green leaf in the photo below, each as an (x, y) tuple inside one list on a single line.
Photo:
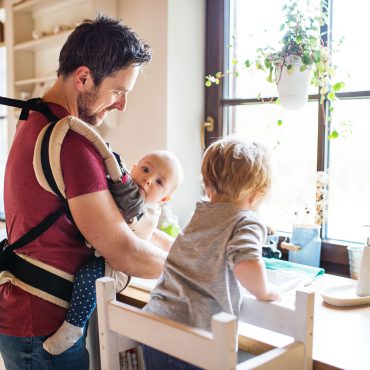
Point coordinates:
[(269, 78), (268, 63), (259, 65), (298, 39), (234, 61), (247, 63), (334, 135), (208, 83), (306, 59), (331, 96), (302, 68), (338, 86), (290, 69), (279, 122)]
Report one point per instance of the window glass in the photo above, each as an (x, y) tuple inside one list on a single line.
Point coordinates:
[(353, 54), (255, 24), (294, 144), (292, 148), (349, 173)]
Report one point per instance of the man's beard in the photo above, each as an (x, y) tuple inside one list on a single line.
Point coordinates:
[(84, 102)]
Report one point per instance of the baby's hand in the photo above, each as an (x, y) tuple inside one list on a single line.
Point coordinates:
[(127, 196)]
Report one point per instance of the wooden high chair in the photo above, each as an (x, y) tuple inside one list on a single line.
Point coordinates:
[(122, 326)]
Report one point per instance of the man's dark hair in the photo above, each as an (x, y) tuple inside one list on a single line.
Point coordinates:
[(104, 45)]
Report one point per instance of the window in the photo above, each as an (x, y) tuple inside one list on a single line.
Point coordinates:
[(3, 126), (299, 148)]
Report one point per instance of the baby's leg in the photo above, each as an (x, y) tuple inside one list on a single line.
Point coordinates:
[(82, 305)]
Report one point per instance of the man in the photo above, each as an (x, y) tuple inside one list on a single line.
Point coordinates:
[(98, 67)]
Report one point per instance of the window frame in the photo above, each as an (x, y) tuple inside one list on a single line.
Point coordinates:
[(334, 255)]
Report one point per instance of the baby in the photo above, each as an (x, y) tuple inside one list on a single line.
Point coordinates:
[(157, 175), (220, 250)]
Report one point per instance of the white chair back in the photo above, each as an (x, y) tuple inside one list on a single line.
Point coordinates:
[(122, 327)]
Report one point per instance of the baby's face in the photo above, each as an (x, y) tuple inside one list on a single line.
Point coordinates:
[(155, 178)]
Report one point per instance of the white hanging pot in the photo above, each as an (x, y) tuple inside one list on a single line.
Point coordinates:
[(292, 85)]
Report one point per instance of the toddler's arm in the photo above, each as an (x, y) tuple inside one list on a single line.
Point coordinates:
[(161, 239), (252, 275)]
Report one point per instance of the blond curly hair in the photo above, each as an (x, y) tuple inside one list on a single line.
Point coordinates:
[(234, 167)]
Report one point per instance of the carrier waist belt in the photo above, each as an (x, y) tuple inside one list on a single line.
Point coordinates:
[(44, 280)]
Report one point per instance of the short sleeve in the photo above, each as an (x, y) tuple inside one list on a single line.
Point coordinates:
[(82, 166), (246, 242)]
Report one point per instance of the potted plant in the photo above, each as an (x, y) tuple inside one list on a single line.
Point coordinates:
[(301, 57)]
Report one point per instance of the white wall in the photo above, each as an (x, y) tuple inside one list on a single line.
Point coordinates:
[(165, 110)]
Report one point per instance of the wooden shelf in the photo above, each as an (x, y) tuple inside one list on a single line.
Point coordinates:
[(36, 80), (34, 61), (43, 43)]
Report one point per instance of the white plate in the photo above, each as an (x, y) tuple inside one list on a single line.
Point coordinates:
[(344, 295)]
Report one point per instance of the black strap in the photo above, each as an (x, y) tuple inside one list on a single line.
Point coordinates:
[(45, 161), (35, 104), (118, 158), (40, 278), (35, 232), (33, 275)]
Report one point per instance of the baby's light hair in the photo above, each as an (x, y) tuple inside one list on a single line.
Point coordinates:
[(234, 167)]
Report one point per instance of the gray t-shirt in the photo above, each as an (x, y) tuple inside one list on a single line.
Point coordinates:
[(198, 279)]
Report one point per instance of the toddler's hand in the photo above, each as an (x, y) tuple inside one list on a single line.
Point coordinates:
[(274, 294)]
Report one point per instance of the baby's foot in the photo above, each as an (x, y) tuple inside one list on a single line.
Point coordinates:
[(65, 337)]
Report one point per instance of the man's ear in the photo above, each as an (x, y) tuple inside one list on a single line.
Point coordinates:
[(166, 199), (83, 79)]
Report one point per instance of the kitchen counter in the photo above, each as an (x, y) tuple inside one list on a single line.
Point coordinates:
[(341, 334)]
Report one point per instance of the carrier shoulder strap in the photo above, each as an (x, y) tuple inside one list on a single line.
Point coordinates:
[(35, 104), (46, 158)]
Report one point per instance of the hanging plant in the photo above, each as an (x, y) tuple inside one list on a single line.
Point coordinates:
[(302, 52)]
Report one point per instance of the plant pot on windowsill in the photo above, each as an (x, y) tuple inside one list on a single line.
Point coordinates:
[(292, 80)]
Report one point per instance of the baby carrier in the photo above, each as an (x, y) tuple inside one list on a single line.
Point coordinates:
[(29, 274)]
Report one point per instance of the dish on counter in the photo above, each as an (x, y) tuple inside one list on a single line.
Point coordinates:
[(344, 296)]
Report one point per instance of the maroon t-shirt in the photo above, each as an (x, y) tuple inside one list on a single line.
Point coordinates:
[(27, 204)]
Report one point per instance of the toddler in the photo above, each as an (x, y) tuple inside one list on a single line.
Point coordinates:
[(220, 250), (157, 175)]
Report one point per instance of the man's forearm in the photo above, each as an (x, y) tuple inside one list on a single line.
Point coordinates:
[(141, 259)]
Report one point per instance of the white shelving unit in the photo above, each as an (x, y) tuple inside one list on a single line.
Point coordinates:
[(32, 63)]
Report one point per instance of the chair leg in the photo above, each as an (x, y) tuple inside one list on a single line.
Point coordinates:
[(108, 340)]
